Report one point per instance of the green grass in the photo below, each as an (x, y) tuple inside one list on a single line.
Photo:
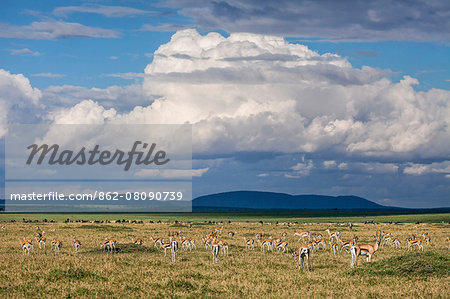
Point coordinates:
[(143, 271), (198, 218), (72, 274), (419, 264)]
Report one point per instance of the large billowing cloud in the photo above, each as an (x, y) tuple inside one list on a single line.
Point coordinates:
[(415, 20), (18, 100), (253, 92), (277, 115)]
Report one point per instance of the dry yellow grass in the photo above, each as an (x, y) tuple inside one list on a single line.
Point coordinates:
[(143, 271)]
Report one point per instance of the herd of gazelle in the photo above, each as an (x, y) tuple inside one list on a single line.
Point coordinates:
[(211, 241)]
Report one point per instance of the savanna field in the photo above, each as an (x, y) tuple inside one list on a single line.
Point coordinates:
[(138, 271)]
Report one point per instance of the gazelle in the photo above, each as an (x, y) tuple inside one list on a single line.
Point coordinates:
[(323, 243), (166, 246), (333, 235), (268, 243), (311, 247), (426, 239), (284, 235), (29, 240), (26, 246), (303, 235), (137, 241), (3, 228), (317, 236), (193, 246), (185, 243), (277, 240), (207, 241), (224, 248), (386, 236), (249, 243), (283, 245), (334, 247), (56, 245), (396, 243), (364, 249), (259, 235), (76, 245), (415, 242), (41, 241), (411, 237), (156, 241), (173, 249), (231, 234), (346, 244), (110, 244), (303, 254), (214, 250), (387, 239)]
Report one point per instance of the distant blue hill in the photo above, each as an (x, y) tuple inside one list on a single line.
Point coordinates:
[(257, 200)]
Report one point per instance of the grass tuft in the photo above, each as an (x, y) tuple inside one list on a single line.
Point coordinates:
[(410, 264)]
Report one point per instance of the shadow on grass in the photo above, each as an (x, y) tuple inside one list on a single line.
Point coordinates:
[(125, 248), (73, 274)]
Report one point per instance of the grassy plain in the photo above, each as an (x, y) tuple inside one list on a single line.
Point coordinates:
[(143, 271)]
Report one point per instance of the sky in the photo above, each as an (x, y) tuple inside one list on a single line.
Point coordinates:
[(302, 97)]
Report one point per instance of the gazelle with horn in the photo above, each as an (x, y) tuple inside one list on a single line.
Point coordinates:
[(156, 241), (333, 235), (303, 235), (364, 249)]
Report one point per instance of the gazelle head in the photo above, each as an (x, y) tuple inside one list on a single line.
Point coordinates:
[(378, 237)]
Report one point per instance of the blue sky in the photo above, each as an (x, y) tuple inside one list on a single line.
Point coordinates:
[(100, 56), (89, 61)]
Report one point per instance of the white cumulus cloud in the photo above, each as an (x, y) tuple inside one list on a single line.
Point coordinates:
[(18, 99), (420, 169), (250, 92)]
